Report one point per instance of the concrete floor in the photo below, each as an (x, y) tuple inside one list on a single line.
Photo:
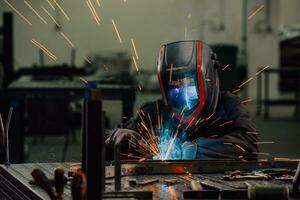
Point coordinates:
[(282, 128)]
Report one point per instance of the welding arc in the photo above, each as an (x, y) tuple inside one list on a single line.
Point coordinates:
[(35, 12), (22, 16)]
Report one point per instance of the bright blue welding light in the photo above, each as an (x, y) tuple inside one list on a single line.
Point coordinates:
[(183, 97)]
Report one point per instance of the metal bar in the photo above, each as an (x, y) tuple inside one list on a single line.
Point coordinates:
[(94, 144), (117, 151)]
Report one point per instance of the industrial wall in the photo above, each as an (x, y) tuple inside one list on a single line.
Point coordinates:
[(149, 23)]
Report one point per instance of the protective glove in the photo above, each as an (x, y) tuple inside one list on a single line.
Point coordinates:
[(121, 135), (189, 150)]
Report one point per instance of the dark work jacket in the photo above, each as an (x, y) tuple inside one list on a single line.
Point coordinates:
[(227, 133)]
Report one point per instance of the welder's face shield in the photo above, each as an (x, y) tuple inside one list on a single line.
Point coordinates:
[(183, 95)]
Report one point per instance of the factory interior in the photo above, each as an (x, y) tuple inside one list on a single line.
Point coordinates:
[(74, 74)]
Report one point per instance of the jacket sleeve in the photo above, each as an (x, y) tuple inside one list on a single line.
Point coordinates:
[(237, 136)]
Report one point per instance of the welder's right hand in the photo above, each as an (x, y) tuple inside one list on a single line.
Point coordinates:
[(121, 135)]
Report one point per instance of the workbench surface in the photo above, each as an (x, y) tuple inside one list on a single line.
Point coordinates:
[(14, 180)]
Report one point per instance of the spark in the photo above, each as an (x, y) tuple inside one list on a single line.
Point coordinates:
[(246, 101), (117, 31), (67, 39), (226, 66), (260, 71), (256, 11), (227, 143), (98, 3), (261, 153), (140, 87), (44, 49), (131, 156), (251, 132), (22, 16), (62, 10), (93, 11), (265, 142), (87, 60), (142, 159), (241, 148), (236, 91), (46, 11), (245, 82), (50, 4), (134, 49), (142, 112), (225, 123), (135, 64), (83, 80), (158, 119), (171, 69), (206, 119), (37, 14), (214, 135), (214, 121)]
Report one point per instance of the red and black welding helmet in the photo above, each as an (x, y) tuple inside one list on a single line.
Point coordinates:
[(189, 80)]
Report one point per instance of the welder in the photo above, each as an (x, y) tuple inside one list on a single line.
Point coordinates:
[(207, 123)]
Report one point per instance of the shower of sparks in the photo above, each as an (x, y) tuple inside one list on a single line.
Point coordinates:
[(260, 71), (135, 64), (245, 82), (224, 68), (46, 11), (83, 80), (117, 31), (256, 11), (225, 123), (50, 4), (98, 3), (246, 101), (171, 69), (264, 142), (67, 39), (62, 10), (22, 16), (134, 49), (35, 12), (44, 49), (93, 11), (87, 60)]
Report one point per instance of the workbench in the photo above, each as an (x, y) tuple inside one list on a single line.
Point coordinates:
[(151, 176), (68, 89)]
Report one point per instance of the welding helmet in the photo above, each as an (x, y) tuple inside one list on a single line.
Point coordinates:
[(189, 80)]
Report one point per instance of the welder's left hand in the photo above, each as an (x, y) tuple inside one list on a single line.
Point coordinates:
[(189, 150), (121, 135)]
